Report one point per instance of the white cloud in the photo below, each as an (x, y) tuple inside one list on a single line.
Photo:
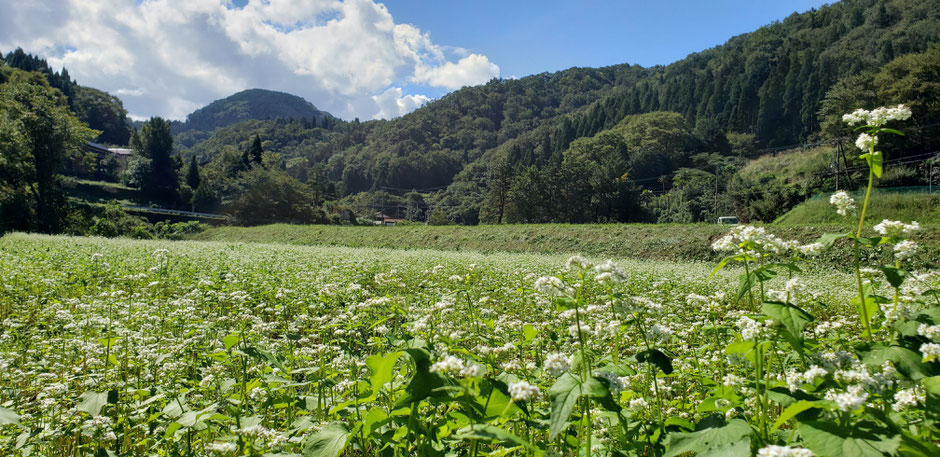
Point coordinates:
[(391, 103), (470, 70), (167, 57)]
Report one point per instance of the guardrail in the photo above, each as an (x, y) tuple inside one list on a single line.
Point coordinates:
[(175, 212)]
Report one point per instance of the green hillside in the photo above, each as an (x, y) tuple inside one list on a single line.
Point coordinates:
[(582, 144), (675, 242), (905, 206), (100, 110), (247, 105)]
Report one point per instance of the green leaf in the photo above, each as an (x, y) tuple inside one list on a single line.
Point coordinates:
[(264, 355), (423, 384), (894, 275), (656, 358), (231, 340), (174, 408), (735, 431), (876, 162), (619, 369), (762, 274), (724, 261), (792, 411), (873, 241), (171, 429), (188, 419), (565, 303), (372, 419), (829, 239), (382, 369), (495, 397), (740, 448), (529, 332), (887, 130), (827, 439), (598, 388), (492, 434), (328, 442), (870, 307), (564, 395), (792, 318), (907, 362), (932, 405), (8, 416), (92, 402)]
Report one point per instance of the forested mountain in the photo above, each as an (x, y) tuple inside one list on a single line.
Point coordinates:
[(100, 110), (486, 153), (247, 105), (619, 143)]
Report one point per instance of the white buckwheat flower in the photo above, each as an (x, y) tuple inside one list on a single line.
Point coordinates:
[(931, 332), (579, 262), (896, 228), (750, 328), (523, 391), (811, 249), (904, 399), (557, 363), (852, 399), (905, 250), (844, 204), (784, 451), (930, 351), (551, 286), (221, 447), (866, 142), (859, 116), (450, 364)]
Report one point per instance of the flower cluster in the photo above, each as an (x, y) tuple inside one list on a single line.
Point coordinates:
[(523, 391), (896, 228), (878, 116), (752, 240), (845, 205), (557, 363), (784, 451), (852, 399), (552, 286), (453, 365), (866, 142)]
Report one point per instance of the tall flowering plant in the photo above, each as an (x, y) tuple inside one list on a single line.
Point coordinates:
[(860, 398)]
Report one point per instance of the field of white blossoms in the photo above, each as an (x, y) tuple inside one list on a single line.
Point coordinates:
[(133, 348), (179, 348)]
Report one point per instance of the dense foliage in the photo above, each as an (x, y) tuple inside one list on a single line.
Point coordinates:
[(251, 104), (38, 134), (515, 150), (135, 348), (100, 110)]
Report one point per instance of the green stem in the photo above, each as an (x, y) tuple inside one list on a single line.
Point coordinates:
[(863, 308), (585, 372)]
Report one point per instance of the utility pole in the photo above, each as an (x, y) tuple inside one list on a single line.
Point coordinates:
[(930, 179), (836, 161), (716, 192)]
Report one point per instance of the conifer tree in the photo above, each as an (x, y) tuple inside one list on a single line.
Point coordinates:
[(192, 174), (255, 151)]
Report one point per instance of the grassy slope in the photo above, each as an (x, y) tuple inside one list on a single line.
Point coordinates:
[(921, 207), (103, 192), (639, 241)]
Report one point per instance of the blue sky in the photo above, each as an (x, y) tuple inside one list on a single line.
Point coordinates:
[(356, 58), (530, 37)]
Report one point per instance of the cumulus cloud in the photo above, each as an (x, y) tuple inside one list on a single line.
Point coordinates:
[(470, 70), (392, 103), (168, 57)]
